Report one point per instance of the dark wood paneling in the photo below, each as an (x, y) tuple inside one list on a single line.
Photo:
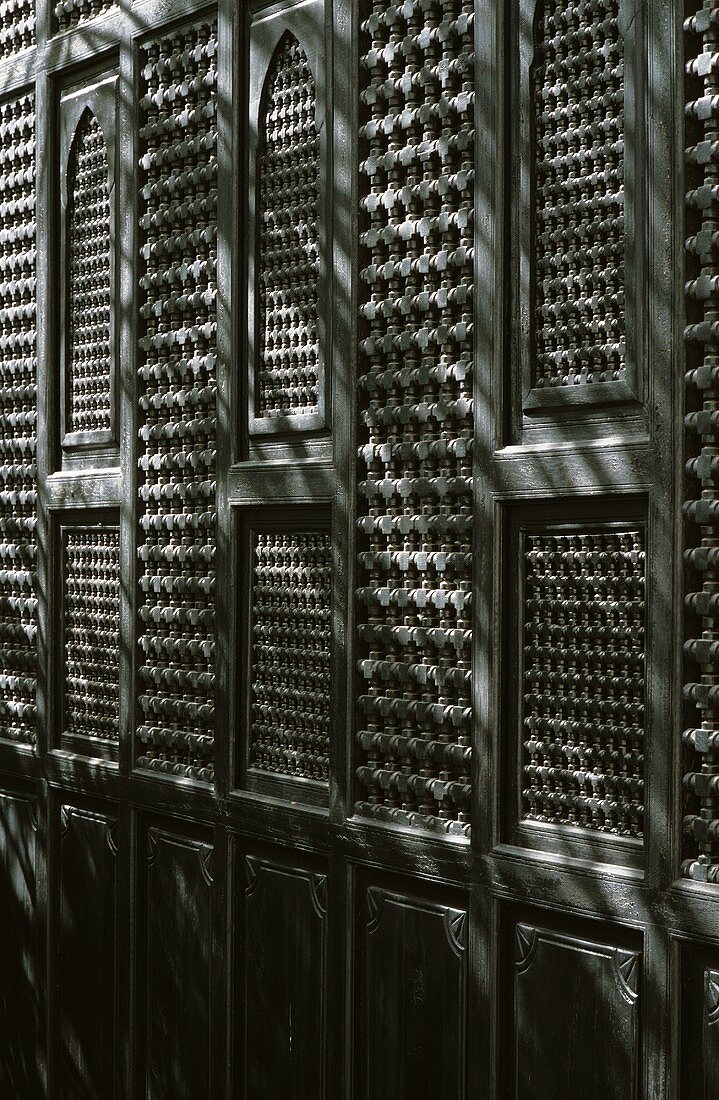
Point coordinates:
[(284, 991), (699, 1034), (19, 986), (711, 1033), (575, 1018), (411, 1026), (86, 949), (176, 975)]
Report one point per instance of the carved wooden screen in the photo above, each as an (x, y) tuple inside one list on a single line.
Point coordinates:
[(358, 549)]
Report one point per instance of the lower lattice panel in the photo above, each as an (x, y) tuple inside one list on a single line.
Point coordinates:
[(290, 653), (91, 581), (583, 707)]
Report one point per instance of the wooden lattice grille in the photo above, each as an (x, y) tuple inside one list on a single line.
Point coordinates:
[(289, 244), (579, 194), (18, 418), (89, 283), (416, 412), (178, 407)]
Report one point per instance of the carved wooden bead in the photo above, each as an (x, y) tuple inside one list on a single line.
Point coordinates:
[(178, 402), (415, 385), (18, 395)]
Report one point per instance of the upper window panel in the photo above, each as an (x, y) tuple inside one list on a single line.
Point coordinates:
[(89, 348), (577, 84), (287, 384)]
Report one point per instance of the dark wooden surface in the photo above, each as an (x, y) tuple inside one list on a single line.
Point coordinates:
[(164, 937)]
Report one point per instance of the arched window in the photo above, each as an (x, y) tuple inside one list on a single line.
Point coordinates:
[(288, 237), (88, 324)]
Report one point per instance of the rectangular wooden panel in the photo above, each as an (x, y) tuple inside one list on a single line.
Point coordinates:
[(576, 670), (576, 258), (711, 1034), (284, 990), (411, 987), (90, 594), (699, 1015), (19, 986), (86, 955), (286, 578), (176, 967), (584, 632), (575, 1026)]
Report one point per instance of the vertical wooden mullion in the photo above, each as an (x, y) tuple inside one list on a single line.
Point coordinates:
[(490, 134), (230, 22), (125, 299), (44, 16), (341, 208), (663, 224), (225, 718), (44, 133), (342, 152), (656, 1001), (664, 352), (45, 266), (488, 371), (124, 978), (219, 992), (673, 36), (127, 326), (482, 991), (666, 161)]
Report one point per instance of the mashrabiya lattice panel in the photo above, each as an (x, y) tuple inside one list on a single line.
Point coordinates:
[(416, 414), (289, 244), (701, 509), (91, 581), (17, 26), (18, 419), (290, 665), (178, 402), (584, 669), (579, 198), (89, 281), (72, 13)]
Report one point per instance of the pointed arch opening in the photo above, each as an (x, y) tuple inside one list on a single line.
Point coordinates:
[(288, 239), (89, 353)]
